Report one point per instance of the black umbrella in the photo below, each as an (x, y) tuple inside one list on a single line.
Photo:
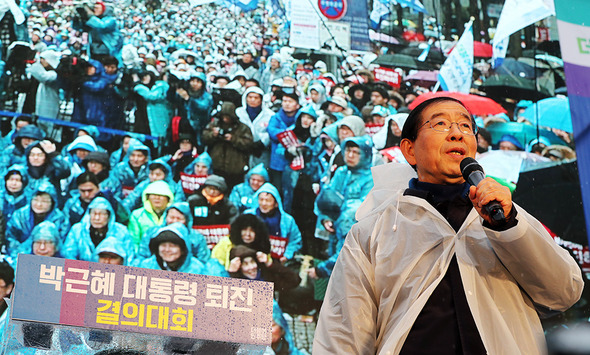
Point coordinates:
[(554, 197), (434, 55), (515, 87), (512, 66), (401, 61)]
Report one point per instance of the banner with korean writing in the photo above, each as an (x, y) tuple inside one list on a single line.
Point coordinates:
[(213, 233), (191, 183), (388, 75), (574, 40), (124, 298)]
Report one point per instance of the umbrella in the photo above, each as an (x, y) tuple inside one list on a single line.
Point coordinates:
[(553, 112), (423, 78), (515, 87), (482, 50), (400, 61), (477, 105), (434, 55), (514, 67), (553, 196), (523, 132)]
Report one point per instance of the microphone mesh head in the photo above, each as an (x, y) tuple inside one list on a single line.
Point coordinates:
[(469, 165)]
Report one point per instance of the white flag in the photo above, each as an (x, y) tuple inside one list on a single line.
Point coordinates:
[(517, 14), (457, 71)]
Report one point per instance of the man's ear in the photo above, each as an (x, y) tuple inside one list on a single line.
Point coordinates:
[(407, 147)]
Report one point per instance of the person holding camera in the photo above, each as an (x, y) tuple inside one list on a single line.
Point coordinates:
[(228, 142), (105, 37)]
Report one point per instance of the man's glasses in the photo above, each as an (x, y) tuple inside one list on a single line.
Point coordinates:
[(444, 126)]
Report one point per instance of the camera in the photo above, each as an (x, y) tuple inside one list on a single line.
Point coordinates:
[(223, 132)]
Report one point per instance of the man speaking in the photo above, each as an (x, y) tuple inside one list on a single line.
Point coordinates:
[(427, 270)]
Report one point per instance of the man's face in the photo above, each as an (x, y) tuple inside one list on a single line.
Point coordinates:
[(201, 169), (212, 191), (185, 145), (344, 132), (36, 157), (352, 156), (169, 252), (158, 202), (95, 167), (195, 84), (43, 248), (99, 218), (98, 10), (137, 158), (256, 181), (87, 191), (437, 155), (110, 258), (90, 70), (289, 105), (14, 183), (253, 100), (507, 146), (26, 141), (82, 153), (274, 64), (247, 58), (266, 202), (21, 124), (377, 99), (306, 121), (41, 203), (5, 289), (314, 96), (173, 216), (157, 175), (110, 69), (332, 107)]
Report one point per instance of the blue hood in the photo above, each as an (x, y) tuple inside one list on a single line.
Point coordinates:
[(184, 208), (91, 130), (181, 232), (28, 131), (112, 245), (135, 144), (271, 189), (258, 170), (46, 187), (204, 158), (103, 204), (366, 145), (47, 231), (332, 132), (168, 169), (99, 69), (21, 170)]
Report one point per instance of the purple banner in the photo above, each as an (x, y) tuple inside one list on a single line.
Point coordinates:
[(132, 299)]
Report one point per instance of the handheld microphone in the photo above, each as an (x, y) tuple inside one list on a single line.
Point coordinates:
[(473, 173)]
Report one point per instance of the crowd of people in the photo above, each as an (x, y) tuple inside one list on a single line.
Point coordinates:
[(200, 144)]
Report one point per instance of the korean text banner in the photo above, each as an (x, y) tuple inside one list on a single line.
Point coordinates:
[(574, 40), (125, 298)]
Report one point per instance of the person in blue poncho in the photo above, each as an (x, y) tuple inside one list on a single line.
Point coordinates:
[(44, 241), (278, 123), (13, 196), (97, 225), (242, 195), (338, 201), (43, 207), (105, 37), (111, 251), (127, 174), (170, 251), (285, 237)]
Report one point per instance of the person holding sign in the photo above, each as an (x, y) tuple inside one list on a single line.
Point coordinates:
[(285, 237)]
